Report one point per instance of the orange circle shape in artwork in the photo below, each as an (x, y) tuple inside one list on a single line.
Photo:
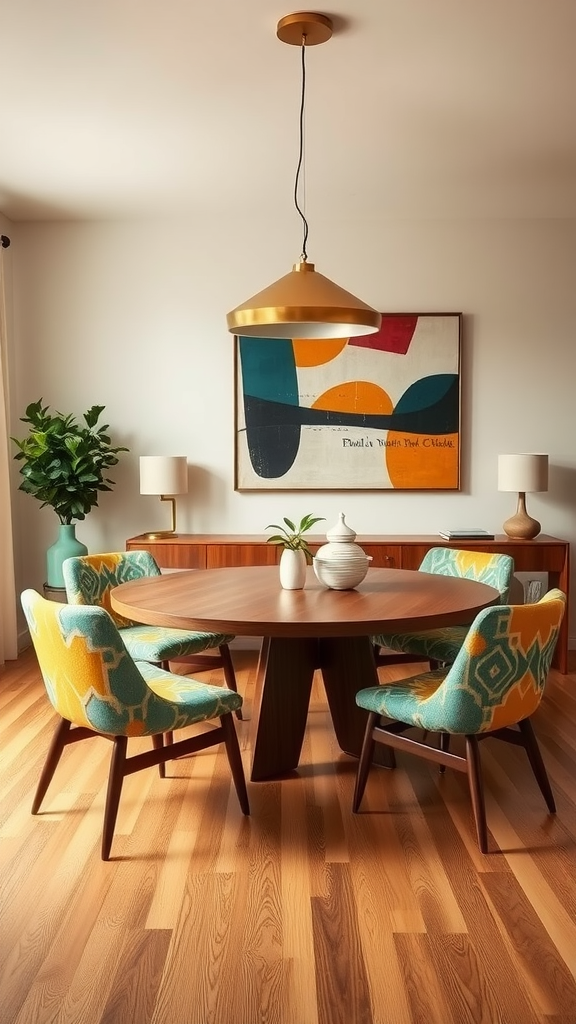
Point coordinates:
[(311, 352), (355, 396), (422, 461)]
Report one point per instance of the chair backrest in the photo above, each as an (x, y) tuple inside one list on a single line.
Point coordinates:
[(90, 578), (499, 673), (89, 676), (485, 567)]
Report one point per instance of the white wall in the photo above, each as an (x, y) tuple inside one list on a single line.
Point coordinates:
[(132, 316)]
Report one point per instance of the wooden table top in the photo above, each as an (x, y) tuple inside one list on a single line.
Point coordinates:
[(249, 601)]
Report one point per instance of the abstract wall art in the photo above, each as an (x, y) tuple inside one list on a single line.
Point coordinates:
[(371, 413)]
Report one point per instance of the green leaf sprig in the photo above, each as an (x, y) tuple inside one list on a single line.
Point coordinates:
[(290, 535)]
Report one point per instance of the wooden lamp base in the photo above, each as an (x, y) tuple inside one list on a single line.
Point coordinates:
[(521, 526)]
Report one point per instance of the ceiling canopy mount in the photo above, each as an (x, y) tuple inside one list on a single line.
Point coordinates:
[(312, 28)]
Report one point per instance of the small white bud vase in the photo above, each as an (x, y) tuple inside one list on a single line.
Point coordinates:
[(341, 564), (292, 569)]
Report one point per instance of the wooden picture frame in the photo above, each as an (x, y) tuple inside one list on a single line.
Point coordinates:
[(378, 412)]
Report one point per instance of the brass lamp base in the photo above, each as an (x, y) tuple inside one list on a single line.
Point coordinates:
[(521, 526), (159, 534)]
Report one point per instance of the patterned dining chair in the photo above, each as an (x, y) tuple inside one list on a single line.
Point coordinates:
[(99, 690), (491, 690), (90, 578), (441, 645)]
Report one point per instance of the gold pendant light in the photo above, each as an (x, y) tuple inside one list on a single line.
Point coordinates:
[(303, 303)]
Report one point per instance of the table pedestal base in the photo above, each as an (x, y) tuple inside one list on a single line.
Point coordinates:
[(284, 683)]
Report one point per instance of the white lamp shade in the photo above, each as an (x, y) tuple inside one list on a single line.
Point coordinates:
[(522, 473), (163, 474)]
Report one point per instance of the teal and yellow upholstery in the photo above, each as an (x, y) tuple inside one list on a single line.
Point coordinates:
[(95, 686), (441, 645), (495, 683), (90, 578)]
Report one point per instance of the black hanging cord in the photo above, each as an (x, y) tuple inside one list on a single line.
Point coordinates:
[(5, 241), (304, 255)]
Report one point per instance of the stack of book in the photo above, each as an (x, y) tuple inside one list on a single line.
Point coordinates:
[(472, 534)]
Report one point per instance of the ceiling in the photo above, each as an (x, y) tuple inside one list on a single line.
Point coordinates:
[(415, 108)]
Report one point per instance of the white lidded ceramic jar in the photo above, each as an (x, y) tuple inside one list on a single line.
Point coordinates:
[(341, 564)]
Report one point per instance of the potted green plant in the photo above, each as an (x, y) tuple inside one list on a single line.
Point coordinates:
[(296, 554), (64, 463)]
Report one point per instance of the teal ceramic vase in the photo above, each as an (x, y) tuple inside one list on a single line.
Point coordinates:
[(66, 546)]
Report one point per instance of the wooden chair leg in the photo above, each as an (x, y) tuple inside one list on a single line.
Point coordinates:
[(158, 743), (235, 761), (477, 791), (169, 736), (229, 673), (445, 746), (535, 757), (365, 761), (115, 780), (52, 758)]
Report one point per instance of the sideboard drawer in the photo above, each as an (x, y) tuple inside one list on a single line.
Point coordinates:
[(222, 556), (384, 556), (173, 556), (412, 555), (544, 559)]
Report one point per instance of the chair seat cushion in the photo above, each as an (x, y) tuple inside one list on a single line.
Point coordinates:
[(187, 700), (440, 644), (153, 643), (414, 701)]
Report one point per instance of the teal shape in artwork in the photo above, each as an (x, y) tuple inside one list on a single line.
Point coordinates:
[(269, 369), (425, 393)]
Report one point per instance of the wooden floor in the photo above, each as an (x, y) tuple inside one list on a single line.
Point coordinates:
[(302, 913)]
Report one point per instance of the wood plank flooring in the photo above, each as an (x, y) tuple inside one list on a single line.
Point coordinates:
[(301, 914)]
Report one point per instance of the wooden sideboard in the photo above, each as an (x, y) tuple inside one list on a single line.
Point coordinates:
[(215, 551)]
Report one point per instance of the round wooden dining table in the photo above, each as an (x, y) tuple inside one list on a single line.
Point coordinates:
[(301, 631)]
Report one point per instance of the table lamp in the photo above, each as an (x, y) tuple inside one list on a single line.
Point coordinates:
[(164, 475), (522, 473)]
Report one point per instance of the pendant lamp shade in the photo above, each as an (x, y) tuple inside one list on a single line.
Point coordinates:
[(303, 303)]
